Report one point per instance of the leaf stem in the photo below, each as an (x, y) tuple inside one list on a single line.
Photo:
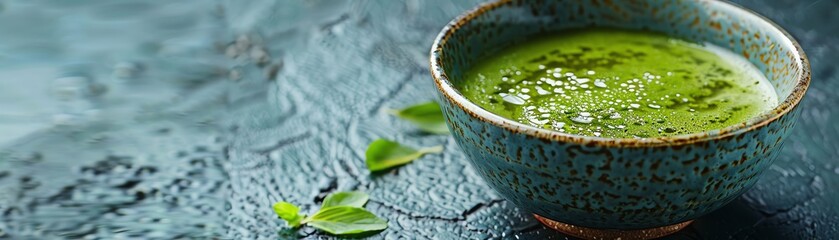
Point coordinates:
[(434, 149), (307, 219), (394, 112)]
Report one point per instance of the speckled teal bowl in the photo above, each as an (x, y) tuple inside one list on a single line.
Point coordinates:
[(602, 183)]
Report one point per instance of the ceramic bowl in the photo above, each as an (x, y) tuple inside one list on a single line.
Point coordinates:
[(580, 183)]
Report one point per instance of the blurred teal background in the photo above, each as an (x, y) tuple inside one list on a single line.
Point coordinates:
[(188, 119)]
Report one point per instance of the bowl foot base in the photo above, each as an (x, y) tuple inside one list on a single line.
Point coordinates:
[(594, 233)]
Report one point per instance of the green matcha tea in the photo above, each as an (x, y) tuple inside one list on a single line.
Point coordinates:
[(619, 84)]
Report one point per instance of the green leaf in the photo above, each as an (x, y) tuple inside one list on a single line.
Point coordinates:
[(289, 213), (383, 154), (351, 199), (346, 220), (426, 116)]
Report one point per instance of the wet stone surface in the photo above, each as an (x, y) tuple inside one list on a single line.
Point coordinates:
[(174, 119)]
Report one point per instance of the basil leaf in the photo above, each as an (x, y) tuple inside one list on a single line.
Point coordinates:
[(346, 220), (289, 213), (426, 116), (350, 199), (383, 154)]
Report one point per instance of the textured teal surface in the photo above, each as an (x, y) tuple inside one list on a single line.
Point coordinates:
[(168, 119)]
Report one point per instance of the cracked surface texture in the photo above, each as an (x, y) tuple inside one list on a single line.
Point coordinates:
[(175, 119)]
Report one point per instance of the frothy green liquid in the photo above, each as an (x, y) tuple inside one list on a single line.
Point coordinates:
[(619, 84)]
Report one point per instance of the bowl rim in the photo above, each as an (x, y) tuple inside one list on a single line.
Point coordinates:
[(445, 87)]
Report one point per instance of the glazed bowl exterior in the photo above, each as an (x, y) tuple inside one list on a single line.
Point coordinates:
[(618, 183)]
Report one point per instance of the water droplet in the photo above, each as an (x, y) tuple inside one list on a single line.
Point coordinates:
[(635, 105), (653, 106), (126, 70), (600, 84), (63, 119), (71, 88), (514, 99), (582, 119), (537, 121), (259, 55), (243, 42)]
